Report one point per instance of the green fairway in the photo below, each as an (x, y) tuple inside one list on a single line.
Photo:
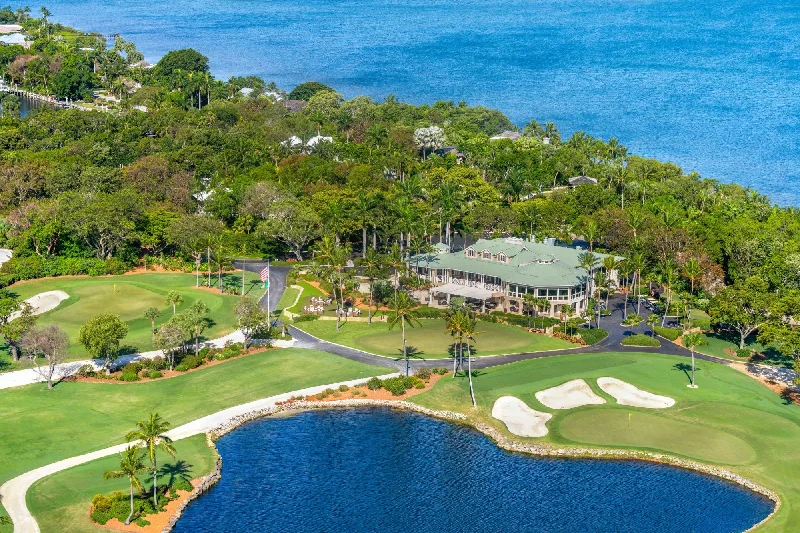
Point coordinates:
[(428, 340), (41, 426), (61, 502), (731, 420), (129, 296)]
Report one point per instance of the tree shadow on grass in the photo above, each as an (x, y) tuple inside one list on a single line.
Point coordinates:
[(686, 369), (178, 471)]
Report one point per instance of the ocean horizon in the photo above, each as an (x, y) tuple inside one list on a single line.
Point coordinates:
[(711, 87)]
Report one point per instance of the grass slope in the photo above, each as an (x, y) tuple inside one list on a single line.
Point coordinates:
[(129, 296), (731, 420), (61, 502), (429, 339), (41, 426)]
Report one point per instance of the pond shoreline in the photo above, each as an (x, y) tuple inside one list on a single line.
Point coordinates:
[(500, 440)]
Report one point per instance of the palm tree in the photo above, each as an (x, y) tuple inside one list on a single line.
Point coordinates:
[(363, 209), (152, 434), (395, 260), (152, 313), (335, 256), (652, 320), (130, 464), (635, 220), (590, 233), (468, 329), (625, 272), (637, 264), (530, 301), (587, 261), (691, 340), (542, 304), (373, 264), (174, 298), (403, 311), (668, 278), (455, 327), (610, 264), (601, 283), (692, 270)]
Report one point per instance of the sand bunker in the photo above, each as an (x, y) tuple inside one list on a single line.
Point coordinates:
[(627, 394), (5, 255), (44, 302), (520, 419), (569, 395)]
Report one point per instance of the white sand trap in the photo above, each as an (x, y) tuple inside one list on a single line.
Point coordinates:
[(5, 255), (627, 394), (519, 418), (569, 395), (44, 302)]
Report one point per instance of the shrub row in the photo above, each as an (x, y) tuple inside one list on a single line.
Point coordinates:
[(641, 340), (668, 333), (594, 335), (520, 320), (22, 268)]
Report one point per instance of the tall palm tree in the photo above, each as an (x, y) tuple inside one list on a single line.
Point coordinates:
[(637, 264), (468, 329), (363, 209), (625, 272), (403, 311), (668, 278), (395, 260), (131, 463), (332, 262), (373, 264), (610, 264), (692, 270), (152, 435), (590, 233), (542, 304), (530, 301), (587, 261), (691, 341), (151, 313), (454, 325)]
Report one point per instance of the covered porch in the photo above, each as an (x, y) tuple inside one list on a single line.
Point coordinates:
[(479, 298)]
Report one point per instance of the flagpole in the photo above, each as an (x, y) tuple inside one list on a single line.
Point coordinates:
[(269, 316)]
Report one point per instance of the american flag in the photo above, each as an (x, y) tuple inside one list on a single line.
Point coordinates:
[(265, 274)]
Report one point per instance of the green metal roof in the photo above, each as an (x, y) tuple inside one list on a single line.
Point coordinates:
[(529, 263)]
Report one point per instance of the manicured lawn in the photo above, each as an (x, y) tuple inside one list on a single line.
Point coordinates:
[(429, 339), (61, 502), (309, 291), (287, 298), (129, 296), (41, 426), (731, 420), (724, 345)]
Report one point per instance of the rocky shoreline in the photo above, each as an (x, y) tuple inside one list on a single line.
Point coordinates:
[(503, 442)]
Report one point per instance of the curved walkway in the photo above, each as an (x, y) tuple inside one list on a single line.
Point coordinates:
[(13, 492)]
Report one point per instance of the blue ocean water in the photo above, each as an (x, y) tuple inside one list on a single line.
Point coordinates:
[(711, 85), (393, 472)]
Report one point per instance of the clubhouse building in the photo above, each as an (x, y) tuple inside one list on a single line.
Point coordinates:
[(495, 274)]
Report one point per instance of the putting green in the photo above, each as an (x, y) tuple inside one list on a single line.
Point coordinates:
[(129, 296), (610, 427), (428, 340)]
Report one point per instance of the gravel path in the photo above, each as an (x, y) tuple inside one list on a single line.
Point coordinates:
[(13, 492)]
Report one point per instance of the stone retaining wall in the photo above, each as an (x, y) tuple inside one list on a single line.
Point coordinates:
[(503, 442)]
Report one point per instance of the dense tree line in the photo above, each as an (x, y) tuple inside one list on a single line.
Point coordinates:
[(210, 172)]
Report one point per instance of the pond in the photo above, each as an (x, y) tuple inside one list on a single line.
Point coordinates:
[(380, 470)]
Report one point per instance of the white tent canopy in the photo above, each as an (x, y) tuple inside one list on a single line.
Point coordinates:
[(455, 289)]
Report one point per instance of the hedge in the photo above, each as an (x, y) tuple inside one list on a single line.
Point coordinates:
[(668, 333), (34, 267), (641, 340), (593, 336)]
